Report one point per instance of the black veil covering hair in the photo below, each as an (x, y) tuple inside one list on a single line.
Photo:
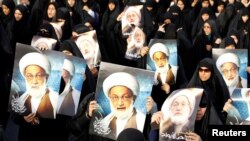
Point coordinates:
[(131, 134), (17, 29), (7, 53), (215, 95), (5, 19), (70, 46), (63, 13)]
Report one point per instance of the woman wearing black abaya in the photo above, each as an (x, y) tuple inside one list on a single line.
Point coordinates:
[(7, 12), (74, 13), (206, 40), (204, 15), (63, 15), (5, 79), (215, 95), (18, 27), (50, 12), (224, 18), (112, 40), (241, 23)]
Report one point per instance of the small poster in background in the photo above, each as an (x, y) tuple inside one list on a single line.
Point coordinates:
[(89, 47)]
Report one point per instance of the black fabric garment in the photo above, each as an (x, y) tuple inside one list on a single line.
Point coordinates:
[(74, 14), (94, 6), (3, 136), (130, 134), (5, 19), (78, 126), (215, 95), (186, 21), (202, 40), (70, 45), (47, 129), (242, 27), (184, 48), (47, 30), (153, 15), (112, 39), (36, 15), (148, 25), (198, 23), (223, 20), (63, 13), (19, 31), (7, 53)]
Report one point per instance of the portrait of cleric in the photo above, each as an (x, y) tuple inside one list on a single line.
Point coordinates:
[(36, 75), (72, 79), (89, 48), (122, 93), (239, 113), (43, 43), (135, 42), (232, 64), (162, 59), (179, 113), (131, 19)]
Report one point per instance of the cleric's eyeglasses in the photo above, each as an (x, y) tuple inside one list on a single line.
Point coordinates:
[(123, 98), (227, 71), (38, 76)]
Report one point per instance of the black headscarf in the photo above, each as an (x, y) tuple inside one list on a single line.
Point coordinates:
[(81, 28), (215, 95), (5, 19), (215, 87), (229, 41), (131, 134), (63, 13), (70, 46), (47, 30)]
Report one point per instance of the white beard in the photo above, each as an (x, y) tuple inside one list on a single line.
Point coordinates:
[(36, 91), (138, 44), (232, 83), (162, 69), (179, 119), (122, 114), (88, 56)]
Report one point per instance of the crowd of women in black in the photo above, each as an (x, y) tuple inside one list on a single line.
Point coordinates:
[(186, 21)]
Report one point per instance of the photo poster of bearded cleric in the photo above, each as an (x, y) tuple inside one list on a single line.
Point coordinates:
[(43, 43), (131, 18), (162, 57), (136, 41), (232, 64), (72, 78), (89, 47), (179, 111), (122, 93), (35, 79), (239, 113)]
